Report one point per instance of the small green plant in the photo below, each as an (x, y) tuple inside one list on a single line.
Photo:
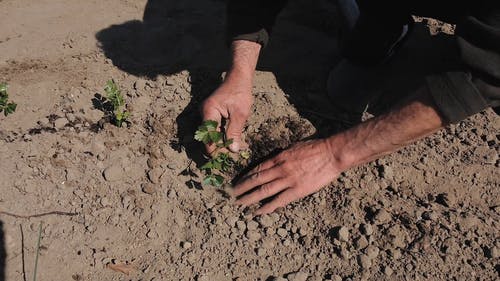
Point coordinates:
[(114, 95), (6, 106), (221, 162)]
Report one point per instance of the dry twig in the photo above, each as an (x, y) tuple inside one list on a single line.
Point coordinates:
[(38, 215)]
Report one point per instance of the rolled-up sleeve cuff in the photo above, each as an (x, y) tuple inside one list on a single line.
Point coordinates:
[(261, 37), (455, 95)]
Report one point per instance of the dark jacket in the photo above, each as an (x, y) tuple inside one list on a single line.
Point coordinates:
[(469, 87)]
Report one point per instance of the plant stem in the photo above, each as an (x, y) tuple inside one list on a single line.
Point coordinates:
[(37, 251)]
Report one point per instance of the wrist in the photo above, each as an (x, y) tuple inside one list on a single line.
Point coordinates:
[(240, 75), (244, 61), (341, 155)]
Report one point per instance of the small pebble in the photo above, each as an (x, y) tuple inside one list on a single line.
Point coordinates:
[(253, 235), (282, 232), (148, 188), (44, 122), (303, 231), (186, 245), (297, 276), (60, 123), (364, 261), (336, 278), (266, 221), (113, 173), (388, 271), (366, 229), (372, 251), (252, 225), (494, 252), (361, 243), (155, 174), (343, 234), (261, 252), (241, 225), (382, 217), (105, 202), (140, 85), (231, 221)]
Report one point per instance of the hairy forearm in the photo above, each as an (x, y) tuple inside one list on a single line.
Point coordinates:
[(412, 120), (245, 55)]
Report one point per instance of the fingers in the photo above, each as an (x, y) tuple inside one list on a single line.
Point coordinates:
[(234, 130), (259, 168), (280, 201), (210, 112), (256, 179), (265, 191)]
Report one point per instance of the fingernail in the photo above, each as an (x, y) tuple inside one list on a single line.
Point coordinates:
[(235, 147)]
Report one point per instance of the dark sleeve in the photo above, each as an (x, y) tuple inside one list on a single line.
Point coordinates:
[(462, 93), (252, 20)]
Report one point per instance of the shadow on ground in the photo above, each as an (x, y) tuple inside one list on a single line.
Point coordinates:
[(3, 254), (189, 35)]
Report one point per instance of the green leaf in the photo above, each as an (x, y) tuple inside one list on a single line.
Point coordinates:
[(228, 142), (116, 98), (214, 180), (202, 136), (210, 125), (214, 136), (219, 180), (114, 95), (9, 109), (207, 166), (3, 89), (208, 180)]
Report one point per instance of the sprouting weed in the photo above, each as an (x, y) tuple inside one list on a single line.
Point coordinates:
[(6, 106), (222, 162), (114, 95)]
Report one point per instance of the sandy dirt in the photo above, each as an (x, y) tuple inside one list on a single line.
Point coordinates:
[(428, 212)]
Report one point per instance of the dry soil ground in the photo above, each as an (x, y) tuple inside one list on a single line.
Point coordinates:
[(428, 212)]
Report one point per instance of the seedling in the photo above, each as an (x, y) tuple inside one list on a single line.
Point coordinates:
[(6, 106), (222, 162), (114, 95)]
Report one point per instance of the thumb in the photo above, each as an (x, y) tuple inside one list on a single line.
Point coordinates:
[(211, 113), (234, 130)]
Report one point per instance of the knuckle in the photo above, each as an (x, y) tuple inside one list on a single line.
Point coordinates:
[(266, 189), (255, 176)]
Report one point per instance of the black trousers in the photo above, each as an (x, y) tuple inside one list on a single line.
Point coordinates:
[(371, 28)]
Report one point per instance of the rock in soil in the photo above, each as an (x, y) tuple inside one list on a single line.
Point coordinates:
[(113, 173), (382, 217), (60, 123), (148, 188), (297, 276), (366, 229), (343, 234), (364, 261)]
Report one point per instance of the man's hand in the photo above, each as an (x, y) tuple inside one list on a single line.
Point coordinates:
[(233, 99), (295, 173), (307, 167)]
